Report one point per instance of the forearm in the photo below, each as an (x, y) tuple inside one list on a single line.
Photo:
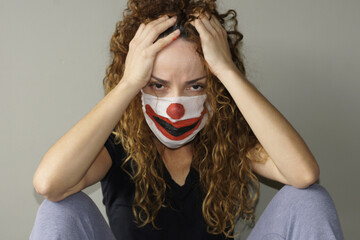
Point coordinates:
[(282, 143), (68, 160)]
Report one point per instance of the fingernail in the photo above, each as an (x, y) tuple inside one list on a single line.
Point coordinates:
[(177, 32)]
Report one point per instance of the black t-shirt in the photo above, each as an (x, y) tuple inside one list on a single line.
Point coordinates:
[(183, 220)]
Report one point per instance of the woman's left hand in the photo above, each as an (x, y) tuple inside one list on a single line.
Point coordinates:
[(214, 44)]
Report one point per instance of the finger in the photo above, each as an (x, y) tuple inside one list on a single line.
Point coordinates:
[(155, 22), (215, 22), (140, 30), (151, 32), (196, 16), (217, 25), (203, 32), (163, 42), (205, 20), (158, 20)]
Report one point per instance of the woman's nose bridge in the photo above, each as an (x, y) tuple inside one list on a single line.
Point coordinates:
[(176, 91)]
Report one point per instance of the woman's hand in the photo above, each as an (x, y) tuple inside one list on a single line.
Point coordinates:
[(214, 44), (143, 50)]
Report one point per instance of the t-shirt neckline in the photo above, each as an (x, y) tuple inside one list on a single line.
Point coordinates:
[(177, 190)]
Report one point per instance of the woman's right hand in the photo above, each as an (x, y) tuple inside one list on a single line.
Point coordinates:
[(142, 50)]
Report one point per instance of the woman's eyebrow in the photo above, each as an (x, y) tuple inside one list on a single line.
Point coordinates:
[(188, 82)]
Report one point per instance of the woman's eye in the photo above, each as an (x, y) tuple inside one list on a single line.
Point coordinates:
[(157, 86), (197, 87)]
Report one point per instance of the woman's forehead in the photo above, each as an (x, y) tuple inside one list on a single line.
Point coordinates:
[(180, 57)]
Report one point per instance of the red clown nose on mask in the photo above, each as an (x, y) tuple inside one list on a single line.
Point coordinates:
[(175, 121), (175, 110)]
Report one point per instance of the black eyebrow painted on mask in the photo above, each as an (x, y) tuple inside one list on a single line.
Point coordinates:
[(188, 82)]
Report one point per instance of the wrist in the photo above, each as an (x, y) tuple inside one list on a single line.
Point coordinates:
[(229, 73), (128, 86)]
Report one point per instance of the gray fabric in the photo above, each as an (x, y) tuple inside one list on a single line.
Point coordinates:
[(76, 217), (293, 213), (299, 214)]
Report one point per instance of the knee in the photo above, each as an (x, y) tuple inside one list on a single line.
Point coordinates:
[(312, 200), (71, 206), (313, 194), (303, 214), (56, 220)]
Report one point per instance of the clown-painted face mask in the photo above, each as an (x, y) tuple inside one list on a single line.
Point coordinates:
[(175, 121)]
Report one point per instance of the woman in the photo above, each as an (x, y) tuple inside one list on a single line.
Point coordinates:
[(176, 140)]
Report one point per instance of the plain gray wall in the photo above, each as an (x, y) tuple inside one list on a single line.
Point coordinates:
[(302, 55)]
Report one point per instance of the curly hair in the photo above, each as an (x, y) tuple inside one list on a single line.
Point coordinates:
[(222, 159)]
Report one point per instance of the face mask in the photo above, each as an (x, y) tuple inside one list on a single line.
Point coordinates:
[(175, 121)]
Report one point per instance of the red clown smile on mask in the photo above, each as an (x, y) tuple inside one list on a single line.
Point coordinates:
[(175, 121)]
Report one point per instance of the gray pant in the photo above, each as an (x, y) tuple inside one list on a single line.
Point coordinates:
[(307, 214)]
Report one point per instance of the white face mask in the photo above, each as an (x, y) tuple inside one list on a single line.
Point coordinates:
[(175, 121)]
